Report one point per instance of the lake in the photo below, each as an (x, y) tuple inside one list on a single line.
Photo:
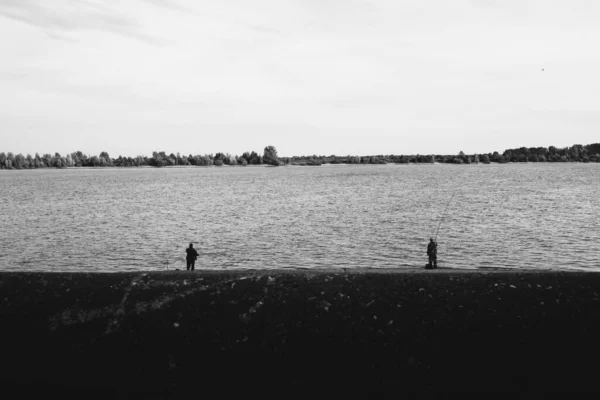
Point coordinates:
[(534, 215)]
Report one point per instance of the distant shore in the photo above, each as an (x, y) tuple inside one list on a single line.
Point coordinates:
[(289, 165), (176, 332), (575, 153)]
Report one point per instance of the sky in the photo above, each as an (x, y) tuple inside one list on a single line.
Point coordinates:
[(307, 76)]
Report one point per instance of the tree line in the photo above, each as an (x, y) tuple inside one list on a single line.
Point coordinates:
[(158, 159), (575, 153)]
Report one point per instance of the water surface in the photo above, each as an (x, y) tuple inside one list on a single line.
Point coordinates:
[(334, 216)]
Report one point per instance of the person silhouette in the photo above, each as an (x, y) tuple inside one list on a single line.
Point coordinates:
[(191, 256), (432, 253)]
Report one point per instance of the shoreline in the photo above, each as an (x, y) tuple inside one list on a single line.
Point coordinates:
[(349, 270), (175, 332), (298, 164)]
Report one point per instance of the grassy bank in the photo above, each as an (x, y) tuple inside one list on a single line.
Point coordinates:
[(175, 332)]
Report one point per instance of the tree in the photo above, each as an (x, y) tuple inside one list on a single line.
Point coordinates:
[(270, 156), (57, 161), (593, 148), (205, 160), (19, 162), (158, 159), (83, 159), (246, 156), (229, 159), (105, 159), (75, 159), (576, 151), (219, 159), (37, 161), (254, 158)]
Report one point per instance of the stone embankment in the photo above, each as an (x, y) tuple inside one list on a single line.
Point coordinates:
[(178, 332)]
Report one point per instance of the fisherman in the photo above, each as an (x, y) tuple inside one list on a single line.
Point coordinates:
[(191, 256), (432, 253)]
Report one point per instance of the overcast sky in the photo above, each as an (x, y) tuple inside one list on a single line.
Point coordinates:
[(308, 76)]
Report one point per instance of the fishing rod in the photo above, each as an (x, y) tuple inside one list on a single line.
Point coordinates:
[(444, 215), (178, 257), (440, 224)]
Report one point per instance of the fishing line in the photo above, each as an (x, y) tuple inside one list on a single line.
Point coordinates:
[(442, 218), (444, 215)]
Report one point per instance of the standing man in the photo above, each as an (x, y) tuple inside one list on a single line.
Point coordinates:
[(191, 256), (432, 253)]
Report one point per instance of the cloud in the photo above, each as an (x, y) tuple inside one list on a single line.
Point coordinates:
[(268, 66), (264, 29), (169, 4), (69, 16)]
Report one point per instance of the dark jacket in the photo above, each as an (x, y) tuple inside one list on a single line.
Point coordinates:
[(192, 254), (432, 249)]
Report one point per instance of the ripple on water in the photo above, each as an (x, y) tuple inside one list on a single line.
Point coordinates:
[(540, 216)]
